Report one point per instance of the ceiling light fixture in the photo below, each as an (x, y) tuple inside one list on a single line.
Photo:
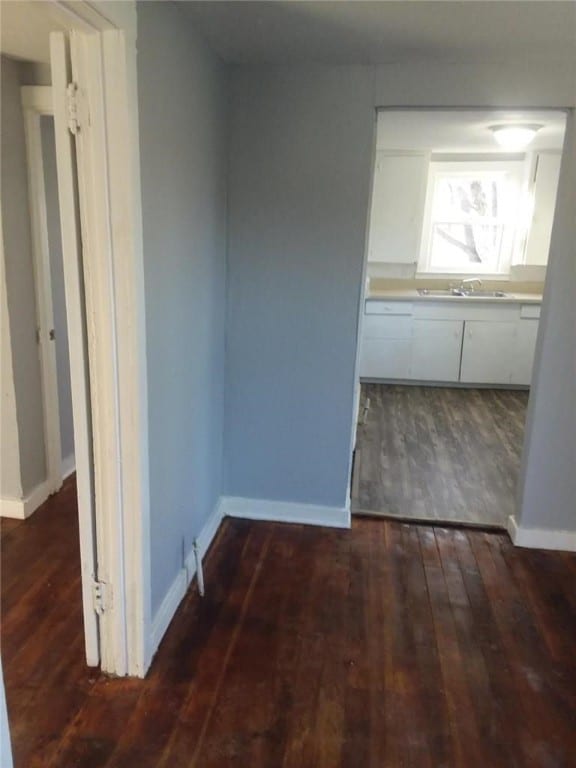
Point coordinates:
[(515, 136)]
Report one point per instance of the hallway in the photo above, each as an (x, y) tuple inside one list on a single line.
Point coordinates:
[(41, 631), (439, 454), (386, 645)]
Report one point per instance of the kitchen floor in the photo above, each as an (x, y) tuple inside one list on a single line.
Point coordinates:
[(441, 454)]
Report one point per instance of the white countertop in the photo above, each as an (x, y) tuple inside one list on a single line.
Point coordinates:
[(407, 294)]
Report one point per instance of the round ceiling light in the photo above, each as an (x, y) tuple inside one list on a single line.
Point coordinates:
[(514, 136)]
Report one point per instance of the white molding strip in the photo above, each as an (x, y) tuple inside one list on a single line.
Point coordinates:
[(249, 509), (285, 512), (13, 508), (20, 509), (180, 585), (541, 538), (68, 466)]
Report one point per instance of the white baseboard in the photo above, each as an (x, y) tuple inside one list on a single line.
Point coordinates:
[(285, 512), (541, 538), (180, 585), (13, 508), (250, 509), (20, 509), (68, 466)]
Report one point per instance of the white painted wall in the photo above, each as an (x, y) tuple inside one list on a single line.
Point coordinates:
[(58, 294), (19, 275), (10, 481)]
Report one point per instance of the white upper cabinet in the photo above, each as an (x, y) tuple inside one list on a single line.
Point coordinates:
[(398, 198), (545, 187)]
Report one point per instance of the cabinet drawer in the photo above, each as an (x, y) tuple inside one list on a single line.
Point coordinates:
[(430, 329), (374, 307), (382, 327), (530, 311)]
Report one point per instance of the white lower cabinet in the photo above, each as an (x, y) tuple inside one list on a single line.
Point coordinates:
[(436, 349), (385, 359), (523, 357), (442, 342), (487, 352), (386, 341)]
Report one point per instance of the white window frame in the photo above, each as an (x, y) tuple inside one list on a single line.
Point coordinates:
[(465, 166)]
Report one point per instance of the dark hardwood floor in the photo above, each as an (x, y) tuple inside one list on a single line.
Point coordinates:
[(435, 453), (385, 646)]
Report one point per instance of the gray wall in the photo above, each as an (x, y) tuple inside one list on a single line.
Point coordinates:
[(299, 178), (20, 280), (300, 170), (548, 482), (58, 294), (10, 482), (182, 123)]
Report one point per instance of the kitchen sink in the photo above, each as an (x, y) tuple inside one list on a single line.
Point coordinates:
[(484, 294), (440, 292)]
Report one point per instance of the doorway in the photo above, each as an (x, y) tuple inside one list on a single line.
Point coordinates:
[(459, 235), (51, 391), (91, 55), (49, 286)]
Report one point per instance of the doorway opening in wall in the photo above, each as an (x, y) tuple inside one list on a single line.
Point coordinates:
[(47, 502), (458, 242), (75, 586)]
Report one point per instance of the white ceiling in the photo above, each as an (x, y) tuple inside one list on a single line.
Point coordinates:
[(463, 130), (357, 32), (353, 31), (25, 28)]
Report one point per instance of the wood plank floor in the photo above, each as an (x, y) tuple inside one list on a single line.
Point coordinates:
[(434, 453), (385, 646)]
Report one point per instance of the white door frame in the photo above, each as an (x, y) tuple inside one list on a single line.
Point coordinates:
[(36, 102), (103, 41)]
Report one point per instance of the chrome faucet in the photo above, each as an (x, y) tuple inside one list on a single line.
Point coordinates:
[(469, 282)]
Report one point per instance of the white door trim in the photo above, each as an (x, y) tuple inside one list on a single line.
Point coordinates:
[(37, 101), (109, 177), (77, 343)]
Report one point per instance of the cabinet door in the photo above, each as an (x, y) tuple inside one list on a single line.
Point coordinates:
[(436, 349), (385, 359), (487, 352), (398, 197), (547, 173), (523, 359)]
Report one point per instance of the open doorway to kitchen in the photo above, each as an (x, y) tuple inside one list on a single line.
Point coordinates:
[(459, 235)]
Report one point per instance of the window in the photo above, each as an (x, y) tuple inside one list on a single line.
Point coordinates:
[(470, 222)]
